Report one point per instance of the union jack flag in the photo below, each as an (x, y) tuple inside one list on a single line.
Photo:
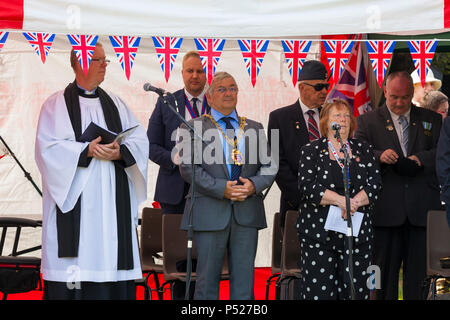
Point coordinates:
[(422, 53), (126, 48), (3, 37), (40, 42), (295, 52), (84, 46), (337, 53), (380, 53), (209, 51), (167, 49), (352, 85), (253, 52)]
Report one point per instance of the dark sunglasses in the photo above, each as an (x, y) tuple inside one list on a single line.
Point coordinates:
[(318, 86)]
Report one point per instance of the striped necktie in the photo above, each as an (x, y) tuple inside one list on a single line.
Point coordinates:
[(405, 129), (235, 169), (313, 130), (194, 107)]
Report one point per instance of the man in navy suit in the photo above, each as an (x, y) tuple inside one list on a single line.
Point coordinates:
[(190, 102)]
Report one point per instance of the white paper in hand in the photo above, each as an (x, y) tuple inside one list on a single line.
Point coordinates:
[(335, 221)]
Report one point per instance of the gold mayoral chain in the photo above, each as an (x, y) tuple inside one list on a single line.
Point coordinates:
[(235, 153)]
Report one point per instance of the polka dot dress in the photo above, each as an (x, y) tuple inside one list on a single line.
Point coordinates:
[(324, 254)]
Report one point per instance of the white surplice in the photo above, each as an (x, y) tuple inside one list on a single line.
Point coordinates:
[(57, 155)]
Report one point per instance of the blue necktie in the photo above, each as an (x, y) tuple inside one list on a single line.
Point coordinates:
[(405, 129), (235, 169), (195, 108)]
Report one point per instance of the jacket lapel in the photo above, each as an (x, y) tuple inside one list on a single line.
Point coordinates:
[(413, 128), (389, 127)]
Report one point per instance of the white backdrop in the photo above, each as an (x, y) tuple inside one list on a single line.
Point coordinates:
[(25, 83)]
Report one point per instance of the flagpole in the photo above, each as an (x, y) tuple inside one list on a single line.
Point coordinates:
[(27, 174)]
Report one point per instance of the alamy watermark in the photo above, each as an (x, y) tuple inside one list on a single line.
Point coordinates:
[(208, 147)]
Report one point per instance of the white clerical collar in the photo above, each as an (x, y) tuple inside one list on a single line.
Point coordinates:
[(305, 109), (200, 97)]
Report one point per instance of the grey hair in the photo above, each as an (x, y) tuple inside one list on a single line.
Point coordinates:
[(401, 74), (433, 99), (218, 76)]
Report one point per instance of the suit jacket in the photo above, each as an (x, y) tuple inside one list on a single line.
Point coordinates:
[(315, 177), (443, 161), (212, 211), (293, 134), (404, 197), (162, 124)]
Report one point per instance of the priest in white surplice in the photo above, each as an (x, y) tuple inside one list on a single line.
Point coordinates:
[(91, 191)]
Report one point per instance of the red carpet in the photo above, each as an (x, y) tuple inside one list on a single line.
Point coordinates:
[(261, 275)]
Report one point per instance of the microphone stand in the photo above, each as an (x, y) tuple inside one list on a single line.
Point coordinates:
[(27, 174), (346, 175), (190, 231)]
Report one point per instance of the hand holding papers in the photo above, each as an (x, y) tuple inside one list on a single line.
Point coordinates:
[(335, 221), (93, 131)]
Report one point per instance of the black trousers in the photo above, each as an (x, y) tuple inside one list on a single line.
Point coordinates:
[(396, 245), (121, 290)]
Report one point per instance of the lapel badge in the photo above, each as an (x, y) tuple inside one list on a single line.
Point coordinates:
[(390, 127), (297, 125), (357, 159)]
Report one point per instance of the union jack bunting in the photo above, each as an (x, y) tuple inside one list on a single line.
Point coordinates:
[(422, 53), (167, 49), (84, 46), (380, 53), (352, 85), (253, 52), (337, 53), (209, 51), (295, 53), (125, 48), (3, 37), (40, 42)]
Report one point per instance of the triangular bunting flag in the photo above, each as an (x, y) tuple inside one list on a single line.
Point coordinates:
[(84, 46), (380, 53), (3, 37), (253, 52), (422, 53), (167, 49), (40, 42), (125, 48), (295, 53), (337, 53), (209, 51)]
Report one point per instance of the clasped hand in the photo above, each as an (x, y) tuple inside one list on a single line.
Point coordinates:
[(236, 192), (108, 152)]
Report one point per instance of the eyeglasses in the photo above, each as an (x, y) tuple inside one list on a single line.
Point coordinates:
[(101, 60), (223, 89), (318, 86)]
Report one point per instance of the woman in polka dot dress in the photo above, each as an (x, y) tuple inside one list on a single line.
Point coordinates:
[(324, 254)]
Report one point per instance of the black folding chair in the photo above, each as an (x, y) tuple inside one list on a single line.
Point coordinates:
[(18, 273)]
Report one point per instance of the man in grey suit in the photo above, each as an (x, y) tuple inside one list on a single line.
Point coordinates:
[(229, 207)]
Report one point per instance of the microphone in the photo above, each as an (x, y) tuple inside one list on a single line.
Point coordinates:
[(149, 87), (335, 126)]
